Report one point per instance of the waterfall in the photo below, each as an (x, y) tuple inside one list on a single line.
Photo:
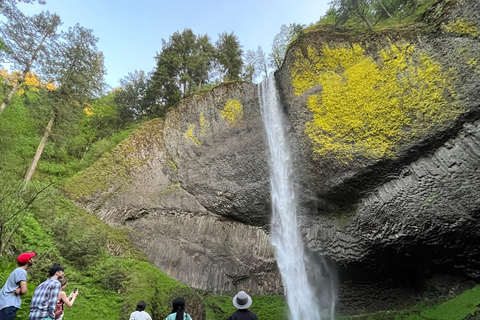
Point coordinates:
[(302, 299)]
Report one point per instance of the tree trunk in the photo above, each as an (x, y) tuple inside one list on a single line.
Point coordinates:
[(10, 95), (364, 18), (384, 9), (38, 154)]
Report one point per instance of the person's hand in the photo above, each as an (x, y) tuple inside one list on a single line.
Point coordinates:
[(17, 291)]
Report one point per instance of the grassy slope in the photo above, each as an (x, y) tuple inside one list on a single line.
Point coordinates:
[(111, 273)]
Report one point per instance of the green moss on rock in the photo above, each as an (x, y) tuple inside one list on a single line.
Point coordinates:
[(113, 170)]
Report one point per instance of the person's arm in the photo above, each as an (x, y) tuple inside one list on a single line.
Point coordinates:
[(22, 289), (71, 298), (63, 297)]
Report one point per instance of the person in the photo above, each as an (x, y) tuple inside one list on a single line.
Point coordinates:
[(178, 310), (15, 287), (63, 299), (242, 301), (140, 313), (45, 296)]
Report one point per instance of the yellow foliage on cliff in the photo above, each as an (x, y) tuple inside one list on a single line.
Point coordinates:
[(461, 27), (190, 135), (368, 107), (232, 112), (204, 125)]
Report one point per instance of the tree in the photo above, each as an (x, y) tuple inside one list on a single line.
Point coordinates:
[(349, 8), (281, 41), (78, 72), (130, 97), (28, 40), (258, 61), (229, 56), (248, 72), (9, 7), (183, 65)]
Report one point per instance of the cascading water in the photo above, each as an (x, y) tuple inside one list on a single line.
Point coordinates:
[(285, 235)]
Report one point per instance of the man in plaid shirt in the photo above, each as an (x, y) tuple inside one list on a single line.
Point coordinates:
[(45, 296)]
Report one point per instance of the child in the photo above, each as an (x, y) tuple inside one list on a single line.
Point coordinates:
[(63, 299), (140, 314)]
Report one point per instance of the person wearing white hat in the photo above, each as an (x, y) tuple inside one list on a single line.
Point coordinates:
[(242, 301)]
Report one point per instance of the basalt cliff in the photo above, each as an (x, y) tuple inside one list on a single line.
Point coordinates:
[(384, 127)]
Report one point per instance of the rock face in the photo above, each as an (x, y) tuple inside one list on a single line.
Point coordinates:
[(194, 189), (386, 135)]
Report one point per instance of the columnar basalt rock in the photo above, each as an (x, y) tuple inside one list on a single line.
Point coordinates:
[(388, 156), (194, 187)]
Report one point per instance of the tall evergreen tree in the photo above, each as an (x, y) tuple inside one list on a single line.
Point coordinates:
[(229, 56), (182, 65), (131, 97)]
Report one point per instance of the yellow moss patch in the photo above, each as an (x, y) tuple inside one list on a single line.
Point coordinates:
[(173, 165), (232, 112), (370, 108), (189, 135), (461, 27), (204, 125)]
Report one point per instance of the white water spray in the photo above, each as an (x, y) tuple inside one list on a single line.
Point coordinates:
[(285, 235)]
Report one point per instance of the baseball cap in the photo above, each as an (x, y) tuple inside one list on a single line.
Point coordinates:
[(24, 257), (55, 268)]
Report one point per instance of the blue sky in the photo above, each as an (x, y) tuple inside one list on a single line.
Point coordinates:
[(130, 32)]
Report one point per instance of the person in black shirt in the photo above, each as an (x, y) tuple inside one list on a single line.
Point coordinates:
[(242, 302)]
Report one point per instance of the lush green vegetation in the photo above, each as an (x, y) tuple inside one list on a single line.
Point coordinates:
[(375, 14), (111, 273)]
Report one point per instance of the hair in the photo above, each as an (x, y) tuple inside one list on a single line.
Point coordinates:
[(21, 264), (178, 306), (141, 305), (62, 281)]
